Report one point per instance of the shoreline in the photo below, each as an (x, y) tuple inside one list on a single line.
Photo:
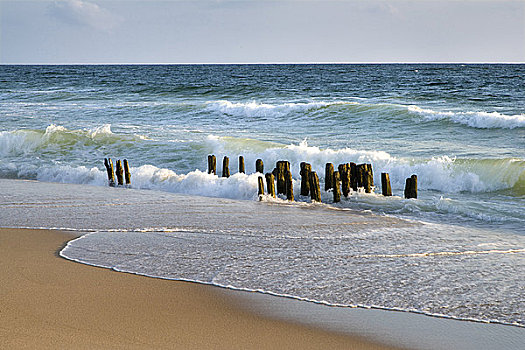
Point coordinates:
[(50, 301), (43, 205)]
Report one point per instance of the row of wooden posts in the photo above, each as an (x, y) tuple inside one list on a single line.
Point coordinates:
[(122, 172), (347, 176)]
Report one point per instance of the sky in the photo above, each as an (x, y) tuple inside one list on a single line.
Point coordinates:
[(261, 31)]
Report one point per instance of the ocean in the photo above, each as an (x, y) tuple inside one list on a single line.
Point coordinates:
[(457, 251)]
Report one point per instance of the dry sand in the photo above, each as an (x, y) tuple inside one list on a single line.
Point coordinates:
[(49, 302)]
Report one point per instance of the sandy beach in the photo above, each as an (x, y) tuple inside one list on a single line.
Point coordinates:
[(48, 303)]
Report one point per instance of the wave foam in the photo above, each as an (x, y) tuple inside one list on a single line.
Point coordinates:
[(445, 174), (255, 109), (481, 120)]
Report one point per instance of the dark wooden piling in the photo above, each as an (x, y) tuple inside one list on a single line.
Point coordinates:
[(329, 176), (127, 173), (212, 164), (368, 181), (270, 184), (336, 188), (259, 166), (241, 165), (371, 175), (315, 190), (280, 170), (345, 176), (305, 178), (260, 185), (119, 171), (353, 176), (385, 184), (289, 186), (411, 187), (226, 167), (361, 169), (108, 163)]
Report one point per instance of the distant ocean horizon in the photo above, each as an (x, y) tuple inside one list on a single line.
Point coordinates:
[(457, 251)]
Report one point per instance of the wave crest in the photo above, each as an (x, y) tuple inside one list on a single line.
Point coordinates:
[(480, 120), (56, 137), (255, 109)]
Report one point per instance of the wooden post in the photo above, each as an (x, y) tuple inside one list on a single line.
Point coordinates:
[(344, 174), (259, 166), (411, 187), (353, 176), (226, 167), (385, 184), (241, 164), (367, 178), (127, 173), (289, 186), (361, 168), (119, 171), (212, 164), (305, 178), (329, 176), (109, 168), (414, 186), (260, 185), (282, 167), (270, 184), (337, 184), (315, 191), (371, 175)]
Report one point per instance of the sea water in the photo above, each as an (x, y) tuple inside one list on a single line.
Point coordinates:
[(457, 251)]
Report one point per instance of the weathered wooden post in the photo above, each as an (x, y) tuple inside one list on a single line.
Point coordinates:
[(282, 167), (212, 164), (367, 178), (353, 176), (226, 167), (289, 186), (329, 176), (315, 190), (109, 168), (270, 184), (305, 178), (260, 185), (411, 187), (259, 166), (385, 184), (361, 169), (119, 171), (371, 175), (241, 164), (127, 173), (337, 184), (344, 174)]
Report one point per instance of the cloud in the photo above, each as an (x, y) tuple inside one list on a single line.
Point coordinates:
[(84, 13)]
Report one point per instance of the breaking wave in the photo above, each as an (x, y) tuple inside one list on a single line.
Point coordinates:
[(480, 120), (54, 137), (255, 109)]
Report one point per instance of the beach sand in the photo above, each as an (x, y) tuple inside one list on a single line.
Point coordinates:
[(49, 302)]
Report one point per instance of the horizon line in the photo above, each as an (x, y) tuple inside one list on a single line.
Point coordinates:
[(247, 63)]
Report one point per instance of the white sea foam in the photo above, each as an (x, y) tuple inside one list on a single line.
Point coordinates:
[(481, 120), (237, 186), (256, 109), (445, 174)]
